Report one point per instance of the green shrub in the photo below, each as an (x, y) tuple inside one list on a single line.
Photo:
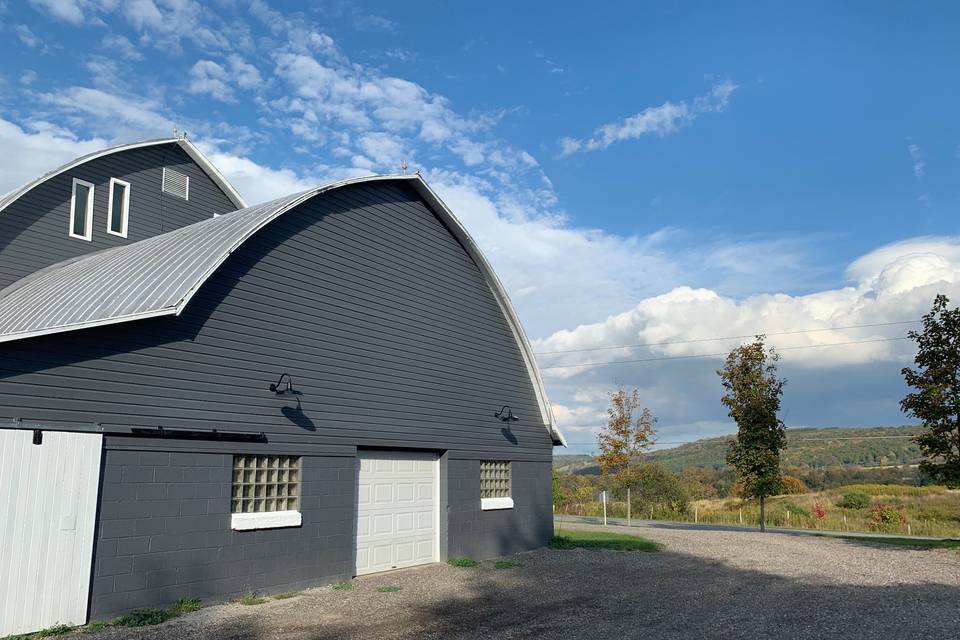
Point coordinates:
[(185, 605), (794, 509), (884, 517), (250, 599), (343, 586), (55, 630), (855, 500), (462, 562), (143, 617), (503, 564), (390, 588)]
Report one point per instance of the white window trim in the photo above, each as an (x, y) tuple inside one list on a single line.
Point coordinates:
[(490, 504), (126, 209), (265, 520), (88, 214)]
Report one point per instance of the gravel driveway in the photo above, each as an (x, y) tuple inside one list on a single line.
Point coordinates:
[(702, 584)]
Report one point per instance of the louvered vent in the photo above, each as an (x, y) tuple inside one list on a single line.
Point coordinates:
[(176, 183)]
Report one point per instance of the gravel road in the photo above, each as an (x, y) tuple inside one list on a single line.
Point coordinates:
[(702, 584)]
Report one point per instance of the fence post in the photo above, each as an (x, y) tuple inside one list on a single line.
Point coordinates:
[(628, 506), (845, 527), (696, 514), (741, 515), (603, 494)]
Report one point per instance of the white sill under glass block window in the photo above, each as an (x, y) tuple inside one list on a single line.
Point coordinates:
[(495, 485), (266, 492)]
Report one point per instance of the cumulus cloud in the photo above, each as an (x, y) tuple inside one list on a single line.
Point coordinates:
[(662, 120), (894, 283)]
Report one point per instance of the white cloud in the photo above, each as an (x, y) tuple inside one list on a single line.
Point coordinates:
[(38, 149), (919, 165), (27, 36), (894, 283), (66, 10), (662, 120), (244, 74), (123, 46), (209, 78)]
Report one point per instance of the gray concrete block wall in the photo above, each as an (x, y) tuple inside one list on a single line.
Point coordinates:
[(164, 532), (478, 534)]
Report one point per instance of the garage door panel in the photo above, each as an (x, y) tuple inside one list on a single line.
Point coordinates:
[(401, 527)]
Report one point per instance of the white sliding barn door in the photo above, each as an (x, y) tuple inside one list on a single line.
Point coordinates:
[(48, 506)]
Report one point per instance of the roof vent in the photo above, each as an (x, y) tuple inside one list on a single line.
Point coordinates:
[(176, 183)]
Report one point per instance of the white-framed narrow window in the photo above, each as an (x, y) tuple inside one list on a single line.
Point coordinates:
[(495, 485), (176, 183), (266, 492), (118, 208), (81, 210)]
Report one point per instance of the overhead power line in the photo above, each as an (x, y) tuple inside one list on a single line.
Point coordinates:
[(720, 354), (789, 439), (693, 340)]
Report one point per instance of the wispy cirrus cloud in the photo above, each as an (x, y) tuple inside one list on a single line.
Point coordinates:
[(661, 120)]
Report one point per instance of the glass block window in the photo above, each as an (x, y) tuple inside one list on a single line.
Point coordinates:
[(265, 483), (494, 479)]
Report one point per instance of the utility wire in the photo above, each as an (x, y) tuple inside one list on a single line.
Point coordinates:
[(789, 439), (777, 333), (717, 355)]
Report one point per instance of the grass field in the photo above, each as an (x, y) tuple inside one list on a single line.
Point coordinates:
[(910, 510), (573, 539)]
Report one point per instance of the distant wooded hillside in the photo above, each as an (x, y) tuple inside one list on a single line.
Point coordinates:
[(810, 449)]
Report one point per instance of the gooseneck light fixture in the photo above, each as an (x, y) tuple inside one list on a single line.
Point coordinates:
[(283, 386), (506, 415)]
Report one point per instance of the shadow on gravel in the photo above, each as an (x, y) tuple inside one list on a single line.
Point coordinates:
[(601, 594)]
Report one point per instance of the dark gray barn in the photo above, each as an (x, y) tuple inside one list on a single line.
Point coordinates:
[(200, 399)]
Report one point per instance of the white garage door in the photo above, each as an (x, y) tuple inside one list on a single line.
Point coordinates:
[(48, 505), (397, 514)]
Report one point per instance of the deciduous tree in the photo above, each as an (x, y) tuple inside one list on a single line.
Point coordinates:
[(625, 438), (752, 393), (936, 401)]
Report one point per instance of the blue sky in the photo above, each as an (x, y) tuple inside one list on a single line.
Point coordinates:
[(659, 173)]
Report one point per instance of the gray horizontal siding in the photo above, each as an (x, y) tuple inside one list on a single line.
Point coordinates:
[(34, 230), (388, 328)]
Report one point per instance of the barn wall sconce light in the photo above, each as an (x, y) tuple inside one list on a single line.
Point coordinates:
[(283, 386), (505, 415)]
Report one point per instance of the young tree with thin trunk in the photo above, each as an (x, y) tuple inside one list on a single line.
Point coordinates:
[(936, 402), (752, 393), (625, 438)]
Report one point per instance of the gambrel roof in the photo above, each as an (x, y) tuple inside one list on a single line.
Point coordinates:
[(158, 276)]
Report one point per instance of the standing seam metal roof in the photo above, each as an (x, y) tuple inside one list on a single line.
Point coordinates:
[(158, 276)]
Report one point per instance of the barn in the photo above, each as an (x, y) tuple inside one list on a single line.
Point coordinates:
[(200, 399)]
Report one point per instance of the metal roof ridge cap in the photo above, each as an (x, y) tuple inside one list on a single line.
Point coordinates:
[(212, 172)]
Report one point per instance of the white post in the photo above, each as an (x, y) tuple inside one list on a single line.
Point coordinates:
[(603, 497), (741, 515), (628, 506), (845, 523), (696, 514), (909, 533)]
